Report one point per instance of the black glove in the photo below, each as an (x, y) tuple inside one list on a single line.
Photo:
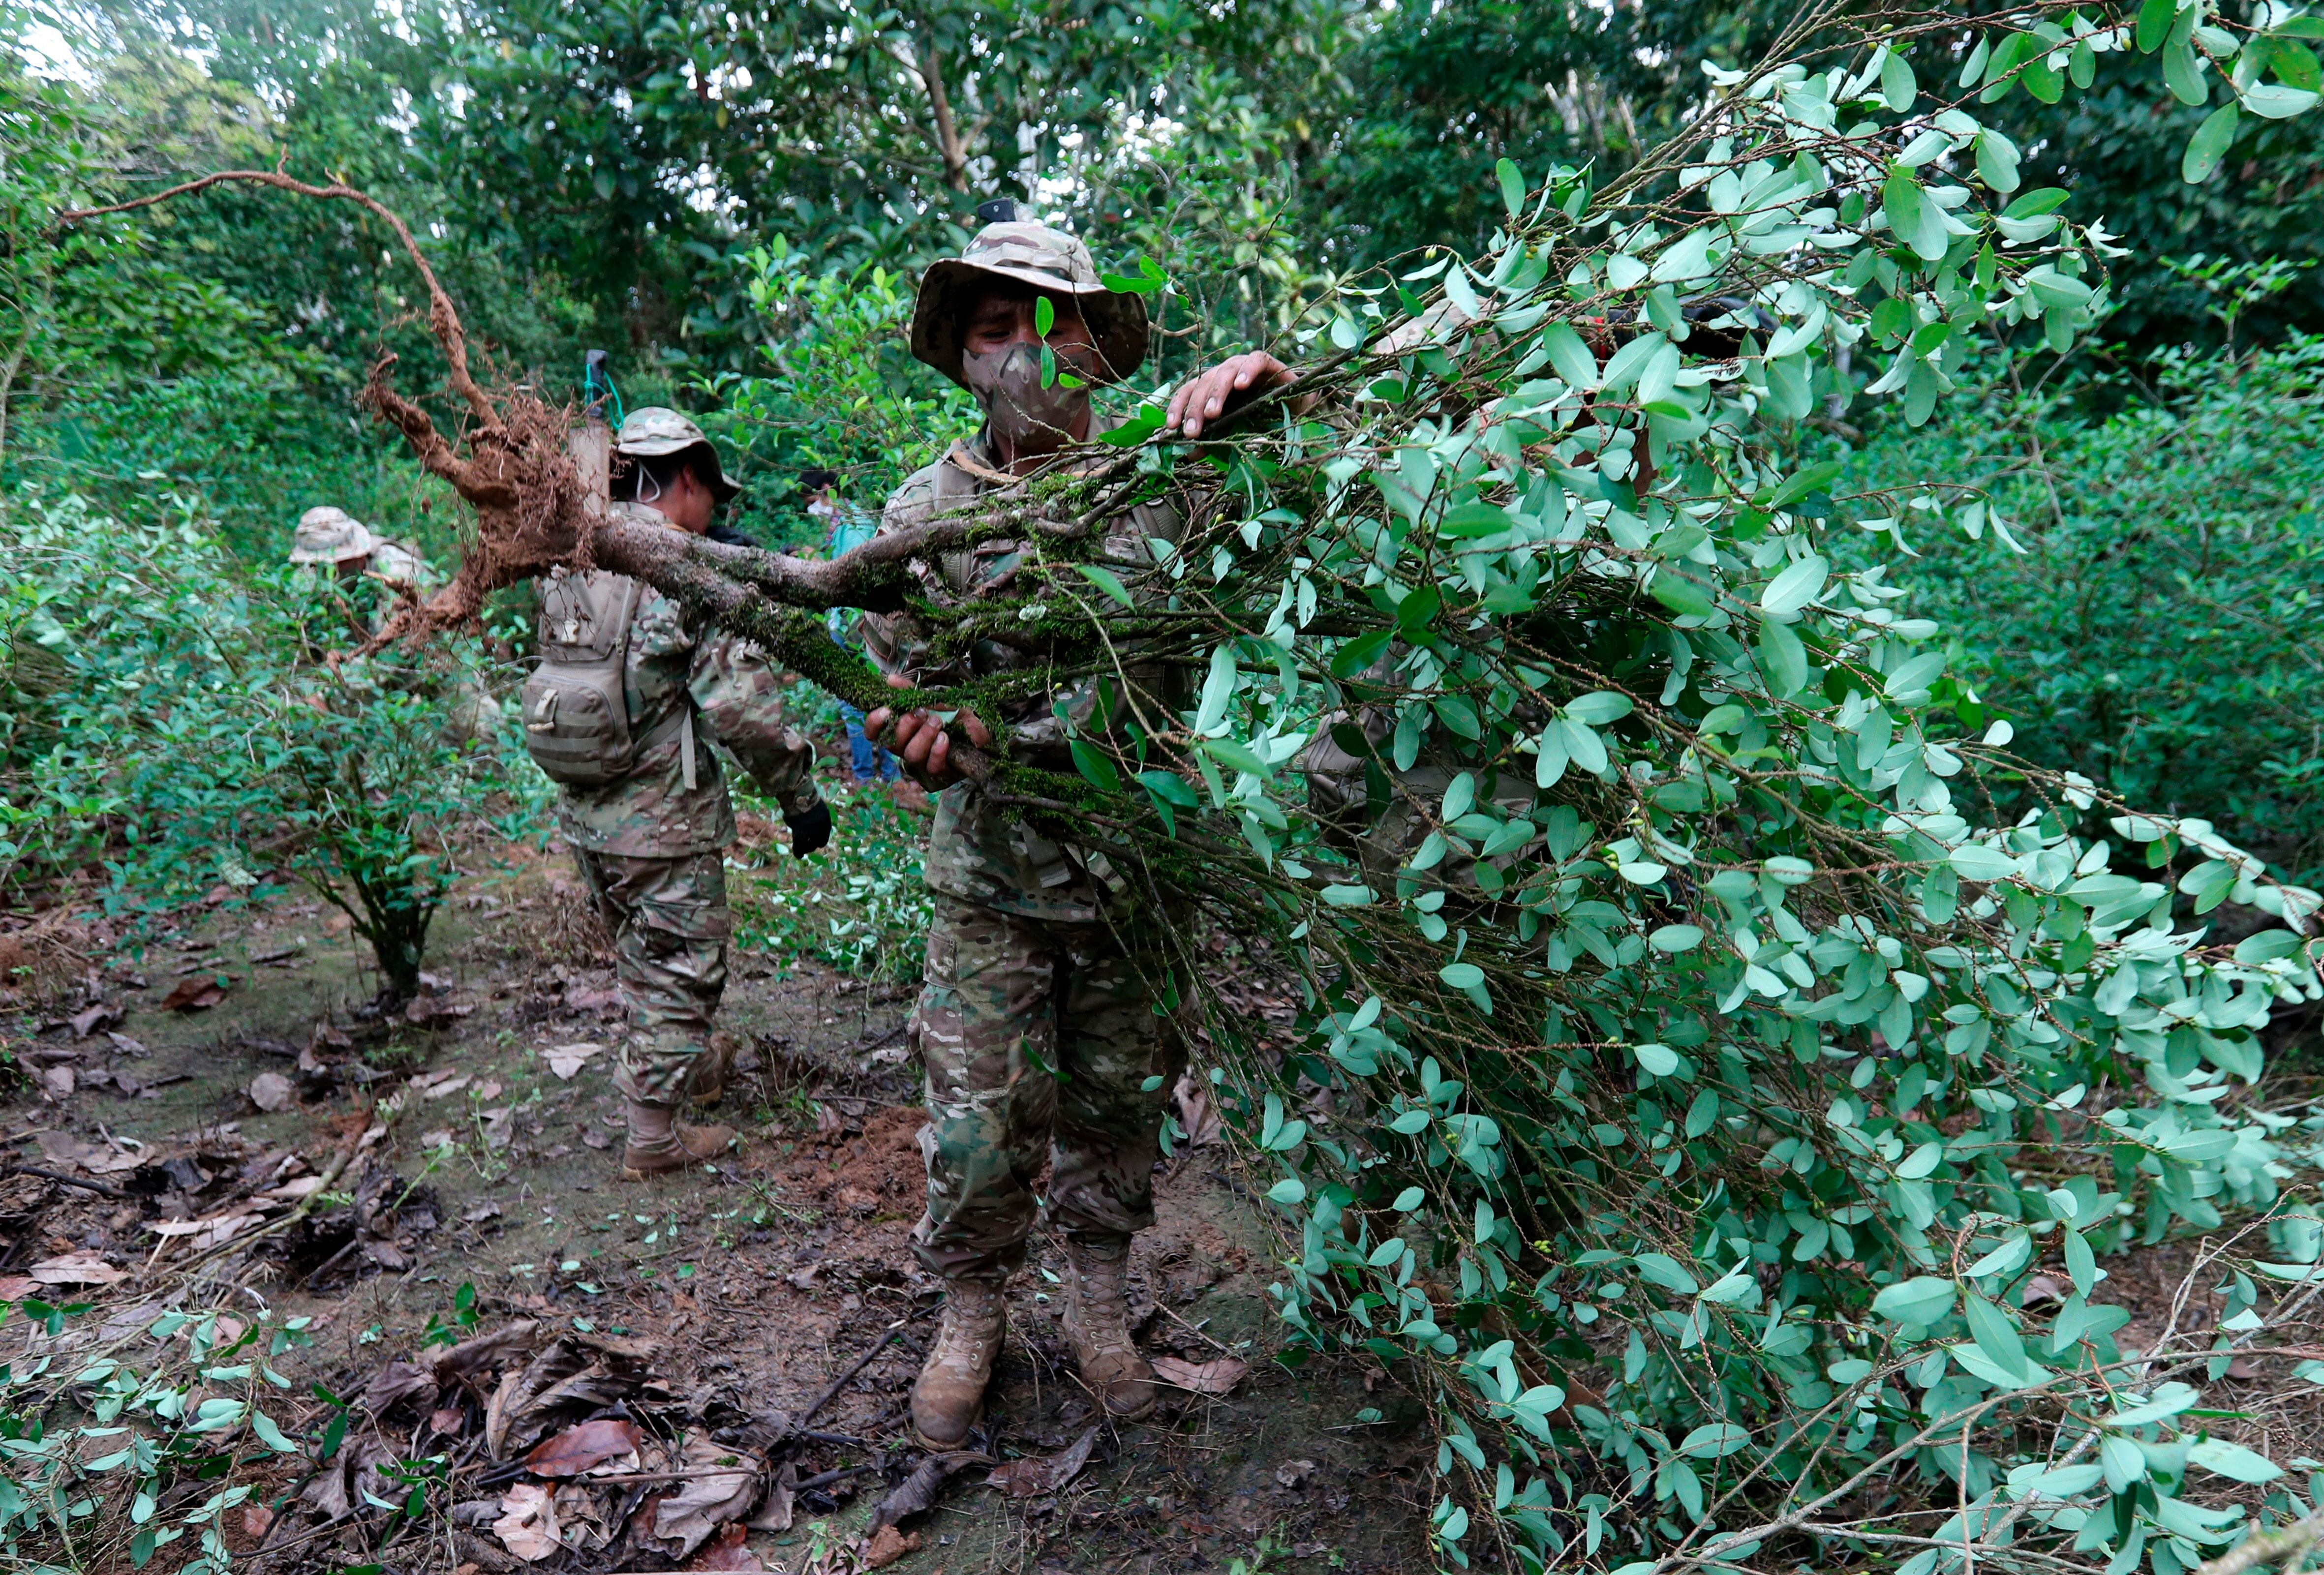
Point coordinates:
[(810, 829)]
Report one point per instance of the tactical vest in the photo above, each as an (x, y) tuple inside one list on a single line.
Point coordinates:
[(577, 707)]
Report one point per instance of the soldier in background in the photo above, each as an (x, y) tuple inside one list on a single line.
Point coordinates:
[(630, 697), (330, 538), (1038, 1022)]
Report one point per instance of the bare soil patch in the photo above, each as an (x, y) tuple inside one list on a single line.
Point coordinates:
[(479, 1194)]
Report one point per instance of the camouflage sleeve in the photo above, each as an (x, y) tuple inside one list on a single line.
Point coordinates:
[(738, 694)]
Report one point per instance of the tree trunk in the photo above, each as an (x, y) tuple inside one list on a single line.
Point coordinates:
[(948, 140)]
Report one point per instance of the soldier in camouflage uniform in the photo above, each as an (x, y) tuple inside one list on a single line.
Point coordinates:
[(650, 836), (330, 538), (1037, 1023)]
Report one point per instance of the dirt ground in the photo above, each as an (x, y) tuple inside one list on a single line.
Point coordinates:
[(755, 1288)]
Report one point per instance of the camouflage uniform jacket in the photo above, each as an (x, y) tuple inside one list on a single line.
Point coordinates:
[(977, 850), (736, 694)]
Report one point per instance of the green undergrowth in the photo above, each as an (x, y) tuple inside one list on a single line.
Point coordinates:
[(859, 905)]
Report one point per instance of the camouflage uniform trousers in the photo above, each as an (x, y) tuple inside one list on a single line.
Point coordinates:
[(669, 926), (1039, 1038)]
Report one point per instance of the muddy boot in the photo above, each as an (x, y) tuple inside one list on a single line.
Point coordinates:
[(950, 1394), (1097, 1321), (658, 1145), (708, 1084)]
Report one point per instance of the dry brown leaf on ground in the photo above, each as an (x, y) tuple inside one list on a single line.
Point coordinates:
[(1036, 1475), (1211, 1377), (64, 1148), (58, 1081), (726, 1551), (103, 1015), (271, 1091), (565, 1060), (586, 1444), (198, 993), (688, 1518), (1195, 1112), (887, 1546), (77, 1268), (528, 1524), (918, 1493)]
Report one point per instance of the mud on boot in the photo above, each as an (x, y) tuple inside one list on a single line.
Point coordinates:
[(715, 1066), (1097, 1322), (949, 1394), (658, 1145)]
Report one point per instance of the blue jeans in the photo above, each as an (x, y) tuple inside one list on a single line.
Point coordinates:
[(869, 761)]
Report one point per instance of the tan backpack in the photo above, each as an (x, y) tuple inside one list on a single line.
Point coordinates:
[(576, 708)]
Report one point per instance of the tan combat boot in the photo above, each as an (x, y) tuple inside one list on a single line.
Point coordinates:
[(949, 1395), (1097, 1321), (708, 1085), (658, 1145)]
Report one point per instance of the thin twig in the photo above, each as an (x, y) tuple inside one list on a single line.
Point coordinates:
[(443, 321), (862, 1362), (70, 1180), (2288, 1543)]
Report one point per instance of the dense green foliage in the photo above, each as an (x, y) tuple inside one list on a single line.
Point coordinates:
[(2142, 599), (600, 175), (837, 389), (859, 907), (1713, 1025), (183, 723)]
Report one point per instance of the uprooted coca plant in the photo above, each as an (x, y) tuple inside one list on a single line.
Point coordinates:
[(1726, 1070)]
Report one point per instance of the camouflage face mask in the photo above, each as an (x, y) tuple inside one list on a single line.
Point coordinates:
[(1007, 385)]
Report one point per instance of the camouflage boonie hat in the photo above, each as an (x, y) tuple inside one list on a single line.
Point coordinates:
[(1045, 258), (652, 430), (328, 535)]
